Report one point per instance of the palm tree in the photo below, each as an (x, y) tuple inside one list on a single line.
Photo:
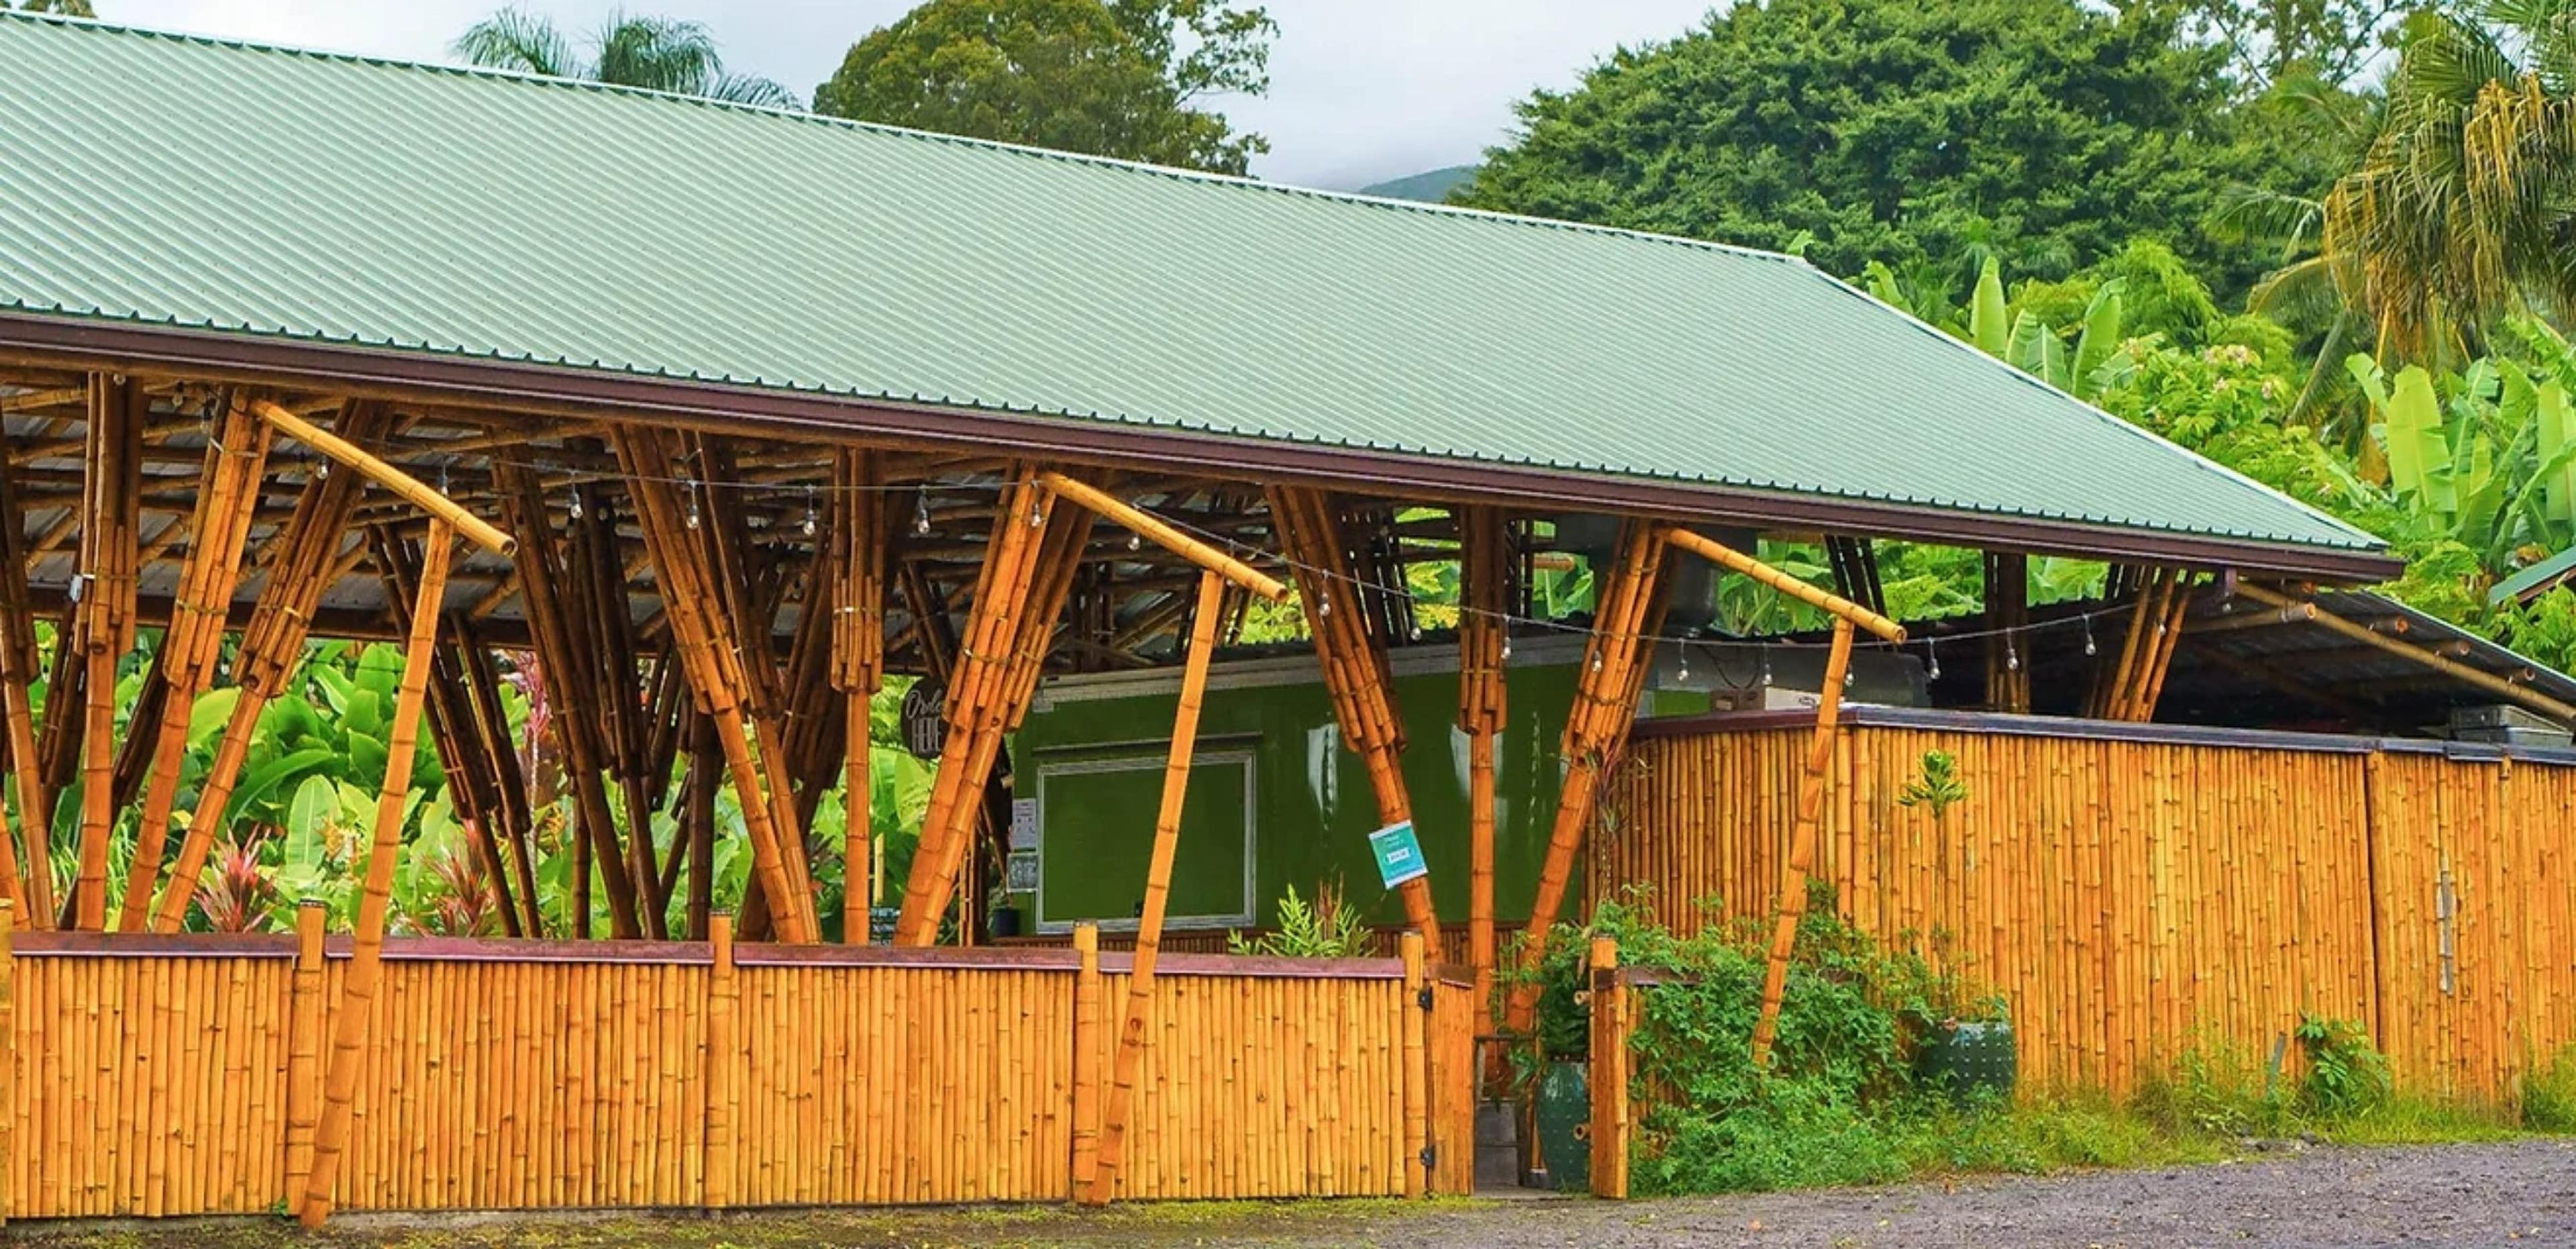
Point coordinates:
[(654, 53), (2464, 207)]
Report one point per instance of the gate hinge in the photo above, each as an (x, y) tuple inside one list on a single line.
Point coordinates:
[(1423, 996), (1430, 1157)]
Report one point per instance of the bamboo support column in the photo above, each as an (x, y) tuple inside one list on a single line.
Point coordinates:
[(34, 896), (354, 1015), (1138, 1018), (304, 1046), (272, 645), (1028, 571), (858, 668), (1791, 905), (1483, 689), (724, 1063), (714, 658), (110, 557), (9, 1062), (1086, 1057), (1605, 708), (1414, 1006), (1610, 1114), (1352, 651), (236, 461)]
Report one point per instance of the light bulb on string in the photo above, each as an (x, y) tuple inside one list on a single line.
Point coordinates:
[(1135, 542), (1766, 666), (693, 505), (574, 504), (921, 513), (1507, 646), (2012, 656), (1681, 672), (2089, 648), (1932, 654)]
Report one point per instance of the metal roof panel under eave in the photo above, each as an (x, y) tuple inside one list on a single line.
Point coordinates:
[(249, 191)]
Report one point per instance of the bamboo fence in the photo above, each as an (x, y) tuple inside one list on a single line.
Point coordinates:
[(167, 1076), (2134, 893)]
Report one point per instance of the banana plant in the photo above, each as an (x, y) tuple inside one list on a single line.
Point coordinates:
[(2484, 457)]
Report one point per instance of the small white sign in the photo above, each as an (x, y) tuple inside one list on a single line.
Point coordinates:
[(1024, 824), (1021, 875)]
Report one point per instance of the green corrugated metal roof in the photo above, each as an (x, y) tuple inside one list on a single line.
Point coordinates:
[(172, 181)]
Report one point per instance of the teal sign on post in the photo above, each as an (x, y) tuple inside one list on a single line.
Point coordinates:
[(1399, 854)]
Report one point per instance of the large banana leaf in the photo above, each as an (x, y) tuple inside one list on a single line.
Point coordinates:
[(1989, 327), (2418, 454), (2555, 424), (2100, 338), (2035, 350)]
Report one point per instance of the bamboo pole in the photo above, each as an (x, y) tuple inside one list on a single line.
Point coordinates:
[(1414, 1070), (1138, 1017), (1483, 689), (2466, 673), (354, 1014), (9, 1066), (1161, 533), (1610, 1020), (236, 461), (1826, 601), (34, 894), (858, 669), (1086, 1057), (304, 1045), (1791, 906), (475, 529), (104, 617), (724, 1064)]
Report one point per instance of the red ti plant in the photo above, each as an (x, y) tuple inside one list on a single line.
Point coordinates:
[(235, 895), (464, 905)]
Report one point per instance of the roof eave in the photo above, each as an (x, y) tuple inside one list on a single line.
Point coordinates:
[(78, 343)]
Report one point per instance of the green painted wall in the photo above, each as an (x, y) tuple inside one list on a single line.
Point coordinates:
[(1312, 805)]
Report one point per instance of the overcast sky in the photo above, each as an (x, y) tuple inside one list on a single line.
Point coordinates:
[(1361, 90)]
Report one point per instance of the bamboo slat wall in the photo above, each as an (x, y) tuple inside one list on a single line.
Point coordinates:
[(153, 1076), (2134, 897), (2477, 932)]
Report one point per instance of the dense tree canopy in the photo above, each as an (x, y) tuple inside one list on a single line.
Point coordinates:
[(2049, 132), (1123, 78)]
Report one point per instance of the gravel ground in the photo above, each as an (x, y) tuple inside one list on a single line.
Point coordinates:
[(2522, 1192)]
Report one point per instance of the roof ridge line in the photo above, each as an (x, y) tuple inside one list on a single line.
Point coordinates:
[(807, 116)]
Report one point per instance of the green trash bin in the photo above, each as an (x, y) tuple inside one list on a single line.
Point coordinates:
[(1966, 1059), (1563, 1110)]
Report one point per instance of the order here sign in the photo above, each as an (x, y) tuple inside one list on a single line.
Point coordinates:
[(1399, 854)]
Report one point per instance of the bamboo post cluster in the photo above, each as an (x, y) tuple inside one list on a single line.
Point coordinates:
[(355, 1012), (1791, 905), (1628, 599), (304, 1053), (272, 644), (1086, 1057), (236, 462), (1134, 1024), (1021, 587), (2130, 688), (858, 666), (715, 656), (18, 673), (1352, 648), (2007, 599), (1485, 599), (103, 615)]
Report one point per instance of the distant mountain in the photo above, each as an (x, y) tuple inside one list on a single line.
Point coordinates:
[(1430, 188)]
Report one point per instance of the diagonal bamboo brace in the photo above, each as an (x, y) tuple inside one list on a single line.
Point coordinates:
[(1792, 905), (1162, 533), (477, 530), (1826, 601)]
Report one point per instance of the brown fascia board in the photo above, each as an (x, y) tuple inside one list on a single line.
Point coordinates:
[(408, 376)]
